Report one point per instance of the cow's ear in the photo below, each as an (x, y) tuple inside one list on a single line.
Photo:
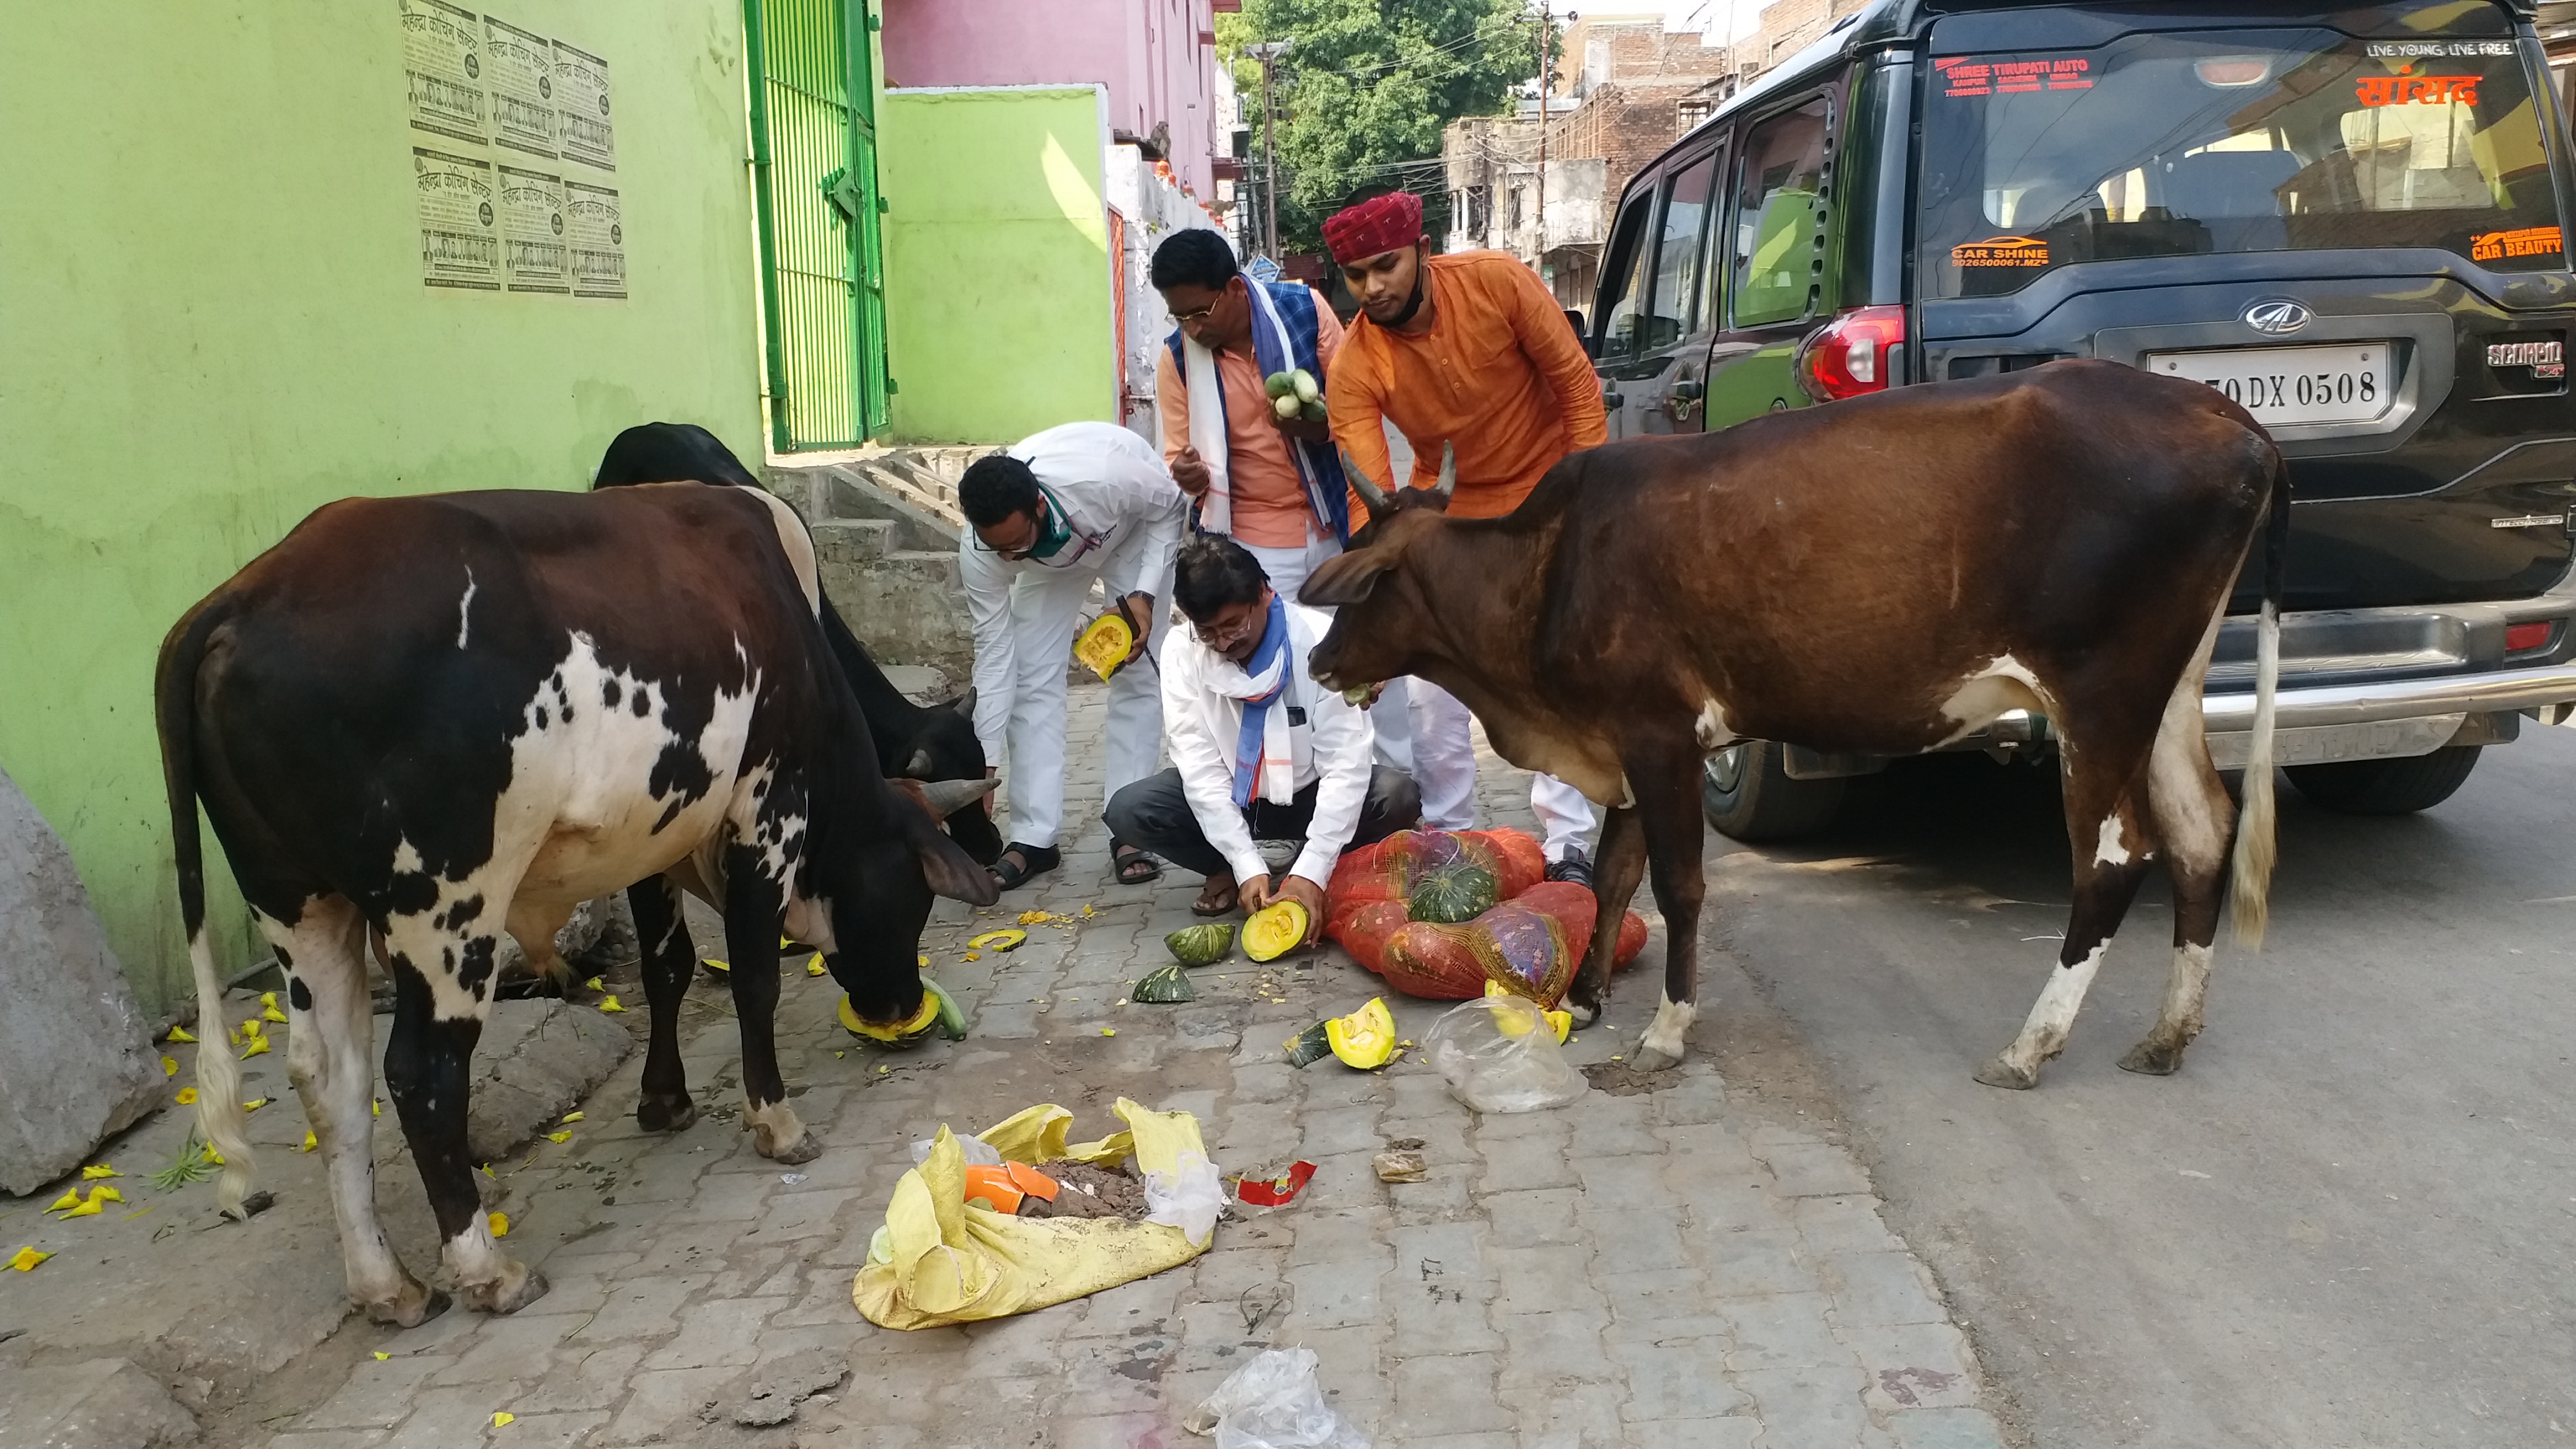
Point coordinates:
[(945, 865), (1346, 579)]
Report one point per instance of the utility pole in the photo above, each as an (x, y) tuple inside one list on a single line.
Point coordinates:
[(1546, 88), (1268, 53)]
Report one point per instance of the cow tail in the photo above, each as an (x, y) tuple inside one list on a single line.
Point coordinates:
[(2256, 848), (174, 702)]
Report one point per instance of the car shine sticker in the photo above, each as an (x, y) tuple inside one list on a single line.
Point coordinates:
[(1972, 76), (2529, 241), (2001, 251)]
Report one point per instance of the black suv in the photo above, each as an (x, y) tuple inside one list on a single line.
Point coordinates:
[(2347, 219)]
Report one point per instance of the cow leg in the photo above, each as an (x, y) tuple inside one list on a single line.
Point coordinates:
[(442, 991), (752, 905), (1666, 784), (330, 1027), (2104, 789), (2194, 820), (1615, 873), (670, 959)]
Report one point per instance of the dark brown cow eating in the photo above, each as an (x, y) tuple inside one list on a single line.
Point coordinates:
[(433, 720), (1878, 576)]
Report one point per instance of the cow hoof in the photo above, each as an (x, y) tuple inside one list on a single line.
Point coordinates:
[(518, 1286), (2001, 1073), (2153, 1059), (666, 1114), (414, 1308), (1583, 1015), (805, 1148), (1652, 1059)]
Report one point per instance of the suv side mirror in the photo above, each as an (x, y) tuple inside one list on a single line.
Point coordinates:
[(1582, 329)]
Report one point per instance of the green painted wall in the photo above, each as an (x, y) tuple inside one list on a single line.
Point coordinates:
[(216, 323), (999, 316)]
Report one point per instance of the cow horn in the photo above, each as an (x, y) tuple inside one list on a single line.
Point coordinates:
[(944, 798), (1369, 492), (920, 765), (1448, 483), (966, 702)]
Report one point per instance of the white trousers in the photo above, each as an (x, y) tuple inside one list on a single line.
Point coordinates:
[(1444, 766), (1046, 604), (1288, 568)]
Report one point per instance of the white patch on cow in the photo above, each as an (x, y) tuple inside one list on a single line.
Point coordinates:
[(2043, 1035), (799, 546), (809, 919), (774, 1128), (2002, 683), (2109, 851), (2190, 804), (1672, 1020), (2186, 991), (1711, 728), (407, 859), (465, 611)]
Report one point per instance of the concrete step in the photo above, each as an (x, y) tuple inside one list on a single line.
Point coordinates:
[(853, 540)]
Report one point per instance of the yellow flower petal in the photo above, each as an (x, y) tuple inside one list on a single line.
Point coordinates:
[(784, 943), (921, 961), (86, 1210), (485, 1169), (972, 956), (179, 1033), (254, 1104), (271, 1013), (500, 1223), (591, 985), (187, 1096), (503, 1417), (253, 1026), (815, 967), (169, 1066), (375, 1106), (97, 1170), (70, 1199), (258, 1048), (27, 1259), (572, 1116), (309, 1142), (382, 1356), (1109, 1031), (719, 965), (558, 1137), (610, 1003), (214, 1157), (104, 1193)]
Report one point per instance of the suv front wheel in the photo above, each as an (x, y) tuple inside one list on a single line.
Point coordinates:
[(2387, 787), (1749, 795)]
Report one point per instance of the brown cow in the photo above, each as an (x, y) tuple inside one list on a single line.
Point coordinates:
[(1883, 576)]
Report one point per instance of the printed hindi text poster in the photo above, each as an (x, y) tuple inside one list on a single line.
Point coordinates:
[(598, 240), (459, 245), (443, 63), (534, 250), (519, 71)]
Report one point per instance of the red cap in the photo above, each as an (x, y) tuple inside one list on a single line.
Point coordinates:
[(1379, 224)]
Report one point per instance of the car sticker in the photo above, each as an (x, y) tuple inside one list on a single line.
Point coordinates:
[(1987, 76), (2435, 49), (2529, 241), (2421, 90), (2001, 251)]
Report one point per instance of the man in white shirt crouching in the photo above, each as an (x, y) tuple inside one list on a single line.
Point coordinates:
[(1259, 750)]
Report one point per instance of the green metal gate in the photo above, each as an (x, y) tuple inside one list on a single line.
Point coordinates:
[(814, 182)]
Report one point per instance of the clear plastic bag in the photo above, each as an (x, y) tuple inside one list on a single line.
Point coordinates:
[(1274, 1402), (979, 1153), (1499, 1054), (1189, 1197)]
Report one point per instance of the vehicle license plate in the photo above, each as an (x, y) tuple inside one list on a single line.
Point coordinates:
[(2342, 382)]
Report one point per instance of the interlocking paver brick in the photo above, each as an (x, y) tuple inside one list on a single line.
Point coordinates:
[(1651, 1269)]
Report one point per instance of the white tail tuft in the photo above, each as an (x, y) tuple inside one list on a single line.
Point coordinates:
[(219, 1108), (2250, 900)]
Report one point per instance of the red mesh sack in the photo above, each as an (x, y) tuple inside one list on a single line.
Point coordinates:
[(1389, 870), (1518, 862), (1362, 927), (1525, 949), (1574, 905)]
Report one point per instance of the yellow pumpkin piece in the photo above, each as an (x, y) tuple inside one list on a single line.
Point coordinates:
[(1512, 1023), (719, 965), (1274, 931), (921, 1022), (999, 940), (1364, 1039), (815, 967), (1103, 646)]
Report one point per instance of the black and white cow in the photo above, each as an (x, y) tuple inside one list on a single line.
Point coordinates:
[(922, 742), (442, 718)]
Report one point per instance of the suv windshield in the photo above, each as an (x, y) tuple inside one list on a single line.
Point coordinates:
[(2400, 126)]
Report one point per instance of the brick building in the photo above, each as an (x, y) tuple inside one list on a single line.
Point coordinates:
[(1639, 87)]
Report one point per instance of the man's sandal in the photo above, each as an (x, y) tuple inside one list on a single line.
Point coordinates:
[(1131, 865), (1009, 873), (1215, 900)]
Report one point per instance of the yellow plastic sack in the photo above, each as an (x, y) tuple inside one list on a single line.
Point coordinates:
[(939, 1261)]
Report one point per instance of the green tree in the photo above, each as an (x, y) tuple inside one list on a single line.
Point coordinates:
[(1365, 88)]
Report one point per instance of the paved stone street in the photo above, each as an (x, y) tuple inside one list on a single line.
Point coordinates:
[(1663, 1267)]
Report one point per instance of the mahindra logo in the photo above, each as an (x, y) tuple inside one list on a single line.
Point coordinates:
[(2277, 315)]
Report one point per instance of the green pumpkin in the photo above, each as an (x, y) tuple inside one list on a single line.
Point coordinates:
[(1200, 945), (1454, 894), (1167, 985)]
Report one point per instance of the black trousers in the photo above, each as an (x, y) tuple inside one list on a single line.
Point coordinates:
[(1154, 814)]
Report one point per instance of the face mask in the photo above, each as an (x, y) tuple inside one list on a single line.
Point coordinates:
[(1413, 303), (1053, 532)]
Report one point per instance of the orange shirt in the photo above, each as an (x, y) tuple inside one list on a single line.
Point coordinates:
[(1500, 374), (1269, 500)]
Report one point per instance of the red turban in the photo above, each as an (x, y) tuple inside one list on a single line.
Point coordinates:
[(1379, 224)]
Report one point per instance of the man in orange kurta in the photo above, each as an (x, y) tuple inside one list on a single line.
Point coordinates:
[(1472, 351)]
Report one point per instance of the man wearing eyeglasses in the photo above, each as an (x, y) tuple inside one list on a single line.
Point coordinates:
[(1259, 750), (1045, 519)]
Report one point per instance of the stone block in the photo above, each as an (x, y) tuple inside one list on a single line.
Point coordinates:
[(1448, 1394), (1915, 1366), (1745, 1264), (1816, 1406), (76, 1059), (1945, 1429), (1682, 1379), (1814, 1170), (1872, 1289), (1785, 1330), (105, 1403), (537, 1059)]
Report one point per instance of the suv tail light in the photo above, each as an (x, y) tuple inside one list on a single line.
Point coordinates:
[(1849, 355)]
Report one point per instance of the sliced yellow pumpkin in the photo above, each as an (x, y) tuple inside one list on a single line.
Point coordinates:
[(1274, 931), (937, 1010), (1512, 1023), (1103, 646), (1364, 1039), (1005, 940)]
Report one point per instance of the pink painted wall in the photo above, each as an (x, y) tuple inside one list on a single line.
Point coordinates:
[(1147, 52)]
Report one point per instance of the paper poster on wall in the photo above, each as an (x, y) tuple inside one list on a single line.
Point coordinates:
[(535, 255), (583, 130), (518, 70), (598, 240), (443, 63), (459, 246)]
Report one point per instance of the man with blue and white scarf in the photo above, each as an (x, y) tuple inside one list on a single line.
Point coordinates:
[(1259, 751)]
